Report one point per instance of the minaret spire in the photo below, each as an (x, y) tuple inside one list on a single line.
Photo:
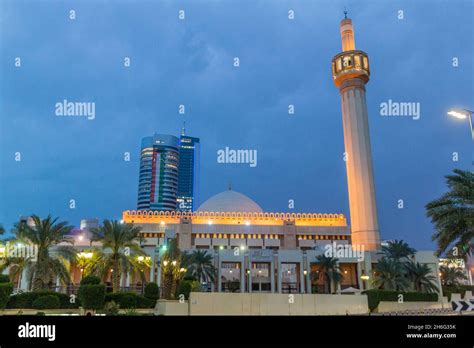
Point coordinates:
[(350, 72)]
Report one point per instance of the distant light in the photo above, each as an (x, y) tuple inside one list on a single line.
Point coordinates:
[(182, 269), (458, 113), (209, 222), (247, 223), (230, 271), (305, 272), (173, 263), (81, 237), (364, 277), (162, 223), (165, 263), (163, 248), (140, 258), (242, 247), (221, 247), (345, 272), (121, 221)]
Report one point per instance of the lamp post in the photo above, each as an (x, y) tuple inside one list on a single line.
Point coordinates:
[(462, 114)]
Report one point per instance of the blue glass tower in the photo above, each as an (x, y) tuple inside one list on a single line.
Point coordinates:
[(188, 178)]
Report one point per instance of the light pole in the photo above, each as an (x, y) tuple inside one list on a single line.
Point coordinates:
[(462, 114)]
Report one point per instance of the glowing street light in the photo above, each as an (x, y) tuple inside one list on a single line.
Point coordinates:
[(462, 114)]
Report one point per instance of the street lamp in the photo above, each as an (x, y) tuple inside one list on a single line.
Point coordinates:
[(462, 114)]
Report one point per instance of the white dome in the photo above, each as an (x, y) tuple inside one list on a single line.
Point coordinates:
[(230, 201)]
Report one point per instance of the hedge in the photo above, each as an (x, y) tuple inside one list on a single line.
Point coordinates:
[(25, 300), (4, 278), (460, 289), (46, 302), (152, 291), (374, 296), (130, 300), (92, 295), (5, 291), (186, 286), (90, 280)]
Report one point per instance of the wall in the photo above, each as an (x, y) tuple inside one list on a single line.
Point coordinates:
[(276, 304)]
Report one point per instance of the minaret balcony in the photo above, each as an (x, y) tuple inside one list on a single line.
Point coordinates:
[(350, 64)]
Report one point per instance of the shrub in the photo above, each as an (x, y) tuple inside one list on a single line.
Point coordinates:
[(111, 308), (92, 296), (25, 300), (233, 286), (5, 292), (4, 278), (374, 296), (185, 287), (90, 280), (460, 289), (130, 300), (46, 302), (124, 299), (152, 291)]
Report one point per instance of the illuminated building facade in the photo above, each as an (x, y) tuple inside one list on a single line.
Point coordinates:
[(188, 177), (158, 177)]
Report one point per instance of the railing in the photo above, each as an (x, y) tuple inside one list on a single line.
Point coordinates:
[(72, 289)]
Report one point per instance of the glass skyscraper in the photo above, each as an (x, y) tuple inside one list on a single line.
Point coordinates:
[(158, 178), (188, 178)]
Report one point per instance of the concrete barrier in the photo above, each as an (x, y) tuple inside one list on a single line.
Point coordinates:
[(385, 306), (275, 304), (167, 307), (468, 295)]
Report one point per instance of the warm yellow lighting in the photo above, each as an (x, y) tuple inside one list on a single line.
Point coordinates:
[(209, 222), (364, 277), (86, 255), (140, 258), (81, 237), (247, 223), (2, 250), (305, 272), (182, 270), (242, 247), (173, 263), (221, 247), (162, 222), (165, 263)]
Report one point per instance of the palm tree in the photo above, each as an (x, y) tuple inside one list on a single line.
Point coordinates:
[(451, 276), (52, 259), (328, 272), (200, 266), (422, 277), (453, 214), (397, 250), (16, 266), (120, 250), (390, 275), (2, 230), (171, 269)]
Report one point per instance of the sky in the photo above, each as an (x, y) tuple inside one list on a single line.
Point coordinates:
[(190, 62)]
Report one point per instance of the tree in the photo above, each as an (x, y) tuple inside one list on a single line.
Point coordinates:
[(2, 230), (453, 214), (328, 272), (52, 259), (200, 266), (390, 275), (120, 250), (171, 270), (451, 276), (422, 277), (397, 250)]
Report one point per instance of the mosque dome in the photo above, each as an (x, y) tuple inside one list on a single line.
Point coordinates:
[(230, 201)]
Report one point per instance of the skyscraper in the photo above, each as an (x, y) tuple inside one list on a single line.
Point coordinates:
[(350, 71), (158, 178), (188, 189)]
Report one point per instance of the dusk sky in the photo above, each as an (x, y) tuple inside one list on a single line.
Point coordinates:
[(190, 62)]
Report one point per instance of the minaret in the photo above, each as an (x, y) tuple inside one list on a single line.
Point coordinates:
[(350, 71)]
